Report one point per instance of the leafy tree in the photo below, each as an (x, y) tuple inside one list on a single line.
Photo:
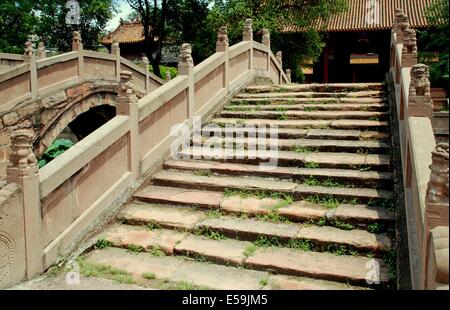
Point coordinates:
[(17, 21), (154, 15), (437, 39), (46, 18), (293, 24), (54, 30)]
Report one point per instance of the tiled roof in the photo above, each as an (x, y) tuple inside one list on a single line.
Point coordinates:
[(355, 18), (126, 33)]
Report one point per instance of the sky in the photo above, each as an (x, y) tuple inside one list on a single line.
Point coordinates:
[(123, 11)]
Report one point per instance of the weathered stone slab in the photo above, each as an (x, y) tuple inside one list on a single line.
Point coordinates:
[(363, 214), (316, 265), (310, 106), (248, 229), (172, 195), (166, 217), (303, 211), (343, 192), (176, 269), (125, 235), (358, 124), (221, 182), (356, 238), (282, 282), (219, 251), (307, 115), (250, 205)]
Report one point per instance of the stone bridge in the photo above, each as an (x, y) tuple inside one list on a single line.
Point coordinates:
[(45, 214), (47, 94)]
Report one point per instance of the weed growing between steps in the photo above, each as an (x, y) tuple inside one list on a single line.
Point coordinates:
[(157, 251), (102, 244), (203, 173), (135, 249), (328, 182), (104, 271), (153, 226), (208, 233), (303, 149), (311, 165), (149, 275)]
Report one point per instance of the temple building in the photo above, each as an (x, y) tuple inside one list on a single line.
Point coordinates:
[(355, 40), (130, 36)]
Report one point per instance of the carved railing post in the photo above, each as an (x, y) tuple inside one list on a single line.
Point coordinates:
[(266, 41), (127, 105), (146, 63), (289, 75), (436, 209), (409, 51), (30, 58), (186, 67), (23, 170), (279, 57), (77, 42), (247, 35), (420, 103), (223, 46), (77, 45), (168, 76), (402, 25), (41, 54), (115, 50)]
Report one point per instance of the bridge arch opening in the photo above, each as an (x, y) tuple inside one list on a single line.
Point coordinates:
[(78, 129)]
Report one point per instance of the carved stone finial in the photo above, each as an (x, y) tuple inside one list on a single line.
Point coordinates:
[(29, 51), (266, 37), (279, 57), (402, 25), (186, 62), (437, 191), (115, 48), (126, 87), (77, 42), (420, 103), (145, 61), (409, 52), (41, 51), (398, 12), (248, 30), (22, 156), (289, 75), (222, 40), (168, 76)]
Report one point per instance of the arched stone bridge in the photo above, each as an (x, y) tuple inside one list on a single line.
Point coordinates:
[(47, 94)]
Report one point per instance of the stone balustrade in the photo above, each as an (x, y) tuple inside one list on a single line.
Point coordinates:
[(424, 164), (66, 199)]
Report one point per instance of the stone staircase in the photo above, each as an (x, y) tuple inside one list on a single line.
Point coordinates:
[(323, 218)]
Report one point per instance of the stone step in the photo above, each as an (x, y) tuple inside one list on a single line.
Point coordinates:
[(208, 276), (292, 133), (345, 176), (232, 252), (310, 107), (338, 87), (290, 101), (220, 183), (312, 160), (252, 229), (298, 211), (306, 115), (290, 94), (301, 145), (347, 269), (311, 124)]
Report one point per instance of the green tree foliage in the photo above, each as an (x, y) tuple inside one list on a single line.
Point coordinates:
[(54, 30), (58, 147), (293, 24), (46, 18), (436, 39), (16, 23)]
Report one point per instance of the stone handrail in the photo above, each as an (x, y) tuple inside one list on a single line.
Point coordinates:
[(35, 77), (417, 143), (68, 197)]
